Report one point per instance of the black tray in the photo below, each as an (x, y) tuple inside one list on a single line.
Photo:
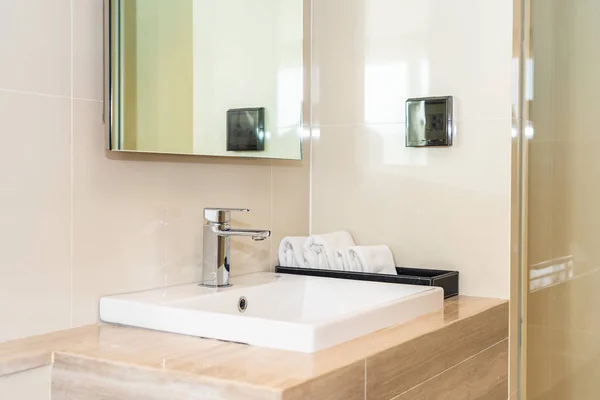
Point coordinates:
[(448, 280)]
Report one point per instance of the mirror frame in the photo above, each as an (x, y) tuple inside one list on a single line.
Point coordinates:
[(107, 95), (109, 114)]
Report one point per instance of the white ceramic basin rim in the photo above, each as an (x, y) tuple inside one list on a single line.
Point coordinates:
[(289, 312)]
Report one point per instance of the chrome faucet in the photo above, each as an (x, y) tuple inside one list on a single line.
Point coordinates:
[(216, 248)]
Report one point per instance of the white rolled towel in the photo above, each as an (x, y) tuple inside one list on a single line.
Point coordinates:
[(319, 250), (343, 262), (372, 259), (291, 252)]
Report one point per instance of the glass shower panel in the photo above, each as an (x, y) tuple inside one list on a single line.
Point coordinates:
[(562, 345)]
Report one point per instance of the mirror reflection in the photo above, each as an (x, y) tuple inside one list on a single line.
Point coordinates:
[(207, 77)]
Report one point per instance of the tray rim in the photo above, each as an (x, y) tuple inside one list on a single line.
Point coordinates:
[(443, 273)]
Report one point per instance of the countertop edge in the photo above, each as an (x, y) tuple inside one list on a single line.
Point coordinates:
[(65, 357)]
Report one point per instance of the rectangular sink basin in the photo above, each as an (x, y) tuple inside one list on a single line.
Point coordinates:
[(290, 312)]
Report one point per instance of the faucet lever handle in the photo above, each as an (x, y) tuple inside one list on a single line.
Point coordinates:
[(221, 215)]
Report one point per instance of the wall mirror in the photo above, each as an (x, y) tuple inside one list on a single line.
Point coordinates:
[(205, 77)]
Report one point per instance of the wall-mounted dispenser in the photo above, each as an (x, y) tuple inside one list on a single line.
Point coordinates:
[(429, 122)]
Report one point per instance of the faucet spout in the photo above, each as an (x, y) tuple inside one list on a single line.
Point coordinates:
[(257, 235), (216, 263)]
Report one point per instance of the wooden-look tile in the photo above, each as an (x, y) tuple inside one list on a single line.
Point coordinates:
[(347, 383), (455, 310), (33, 384), (482, 377), (396, 370), (36, 351), (87, 379)]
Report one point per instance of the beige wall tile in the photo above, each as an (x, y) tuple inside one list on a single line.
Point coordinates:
[(366, 64), (395, 371), (33, 384), (435, 208), (337, 88), (88, 48), (119, 241), (347, 383), (36, 46), (137, 221), (35, 214), (290, 182), (482, 377)]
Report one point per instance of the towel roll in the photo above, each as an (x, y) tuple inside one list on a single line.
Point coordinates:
[(319, 250), (343, 262), (291, 252), (372, 259)]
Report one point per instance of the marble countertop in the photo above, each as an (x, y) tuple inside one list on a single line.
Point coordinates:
[(223, 361)]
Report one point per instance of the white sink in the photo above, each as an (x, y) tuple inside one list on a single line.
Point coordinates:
[(291, 312)]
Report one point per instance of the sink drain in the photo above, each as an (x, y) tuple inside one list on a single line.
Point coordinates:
[(242, 304)]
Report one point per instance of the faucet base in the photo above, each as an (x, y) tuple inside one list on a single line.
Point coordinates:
[(210, 285)]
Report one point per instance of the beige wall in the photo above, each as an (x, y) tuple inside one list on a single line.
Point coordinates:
[(563, 322), (77, 223), (436, 208)]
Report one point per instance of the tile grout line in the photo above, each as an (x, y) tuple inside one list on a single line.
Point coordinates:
[(71, 299), (449, 369), (56, 96), (60, 96), (88, 100)]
